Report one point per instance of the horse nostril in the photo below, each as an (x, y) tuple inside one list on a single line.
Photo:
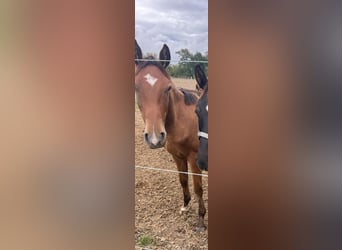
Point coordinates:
[(146, 137), (162, 135)]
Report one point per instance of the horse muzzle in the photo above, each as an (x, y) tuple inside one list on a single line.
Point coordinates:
[(155, 141)]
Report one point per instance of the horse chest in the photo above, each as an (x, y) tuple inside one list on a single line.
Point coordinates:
[(180, 148)]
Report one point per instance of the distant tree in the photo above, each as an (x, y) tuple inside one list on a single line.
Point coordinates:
[(186, 69)]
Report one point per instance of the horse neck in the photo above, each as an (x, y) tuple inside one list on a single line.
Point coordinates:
[(174, 110)]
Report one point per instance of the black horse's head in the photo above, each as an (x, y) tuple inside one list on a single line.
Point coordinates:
[(202, 113)]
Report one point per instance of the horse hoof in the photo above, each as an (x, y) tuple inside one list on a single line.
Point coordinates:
[(183, 210)]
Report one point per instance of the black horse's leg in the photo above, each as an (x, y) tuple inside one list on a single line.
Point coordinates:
[(199, 192)]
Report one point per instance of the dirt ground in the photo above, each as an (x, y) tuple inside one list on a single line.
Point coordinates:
[(158, 198)]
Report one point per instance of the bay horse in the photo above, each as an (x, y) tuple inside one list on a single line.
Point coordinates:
[(202, 114), (170, 120)]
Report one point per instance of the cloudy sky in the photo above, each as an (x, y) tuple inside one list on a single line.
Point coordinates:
[(178, 23)]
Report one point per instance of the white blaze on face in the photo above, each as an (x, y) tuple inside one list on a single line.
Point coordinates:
[(206, 107), (150, 79), (154, 139)]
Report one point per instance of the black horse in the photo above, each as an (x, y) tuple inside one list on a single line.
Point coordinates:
[(202, 113)]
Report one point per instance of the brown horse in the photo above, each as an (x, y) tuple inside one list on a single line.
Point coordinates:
[(170, 120)]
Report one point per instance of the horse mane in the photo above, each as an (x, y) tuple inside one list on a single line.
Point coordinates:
[(143, 64), (189, 98), (205, 90)]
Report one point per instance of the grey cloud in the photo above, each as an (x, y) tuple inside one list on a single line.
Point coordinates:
[(178, 23)]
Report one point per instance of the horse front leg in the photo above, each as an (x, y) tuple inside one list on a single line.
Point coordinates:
[(182, 165), (199, 192)]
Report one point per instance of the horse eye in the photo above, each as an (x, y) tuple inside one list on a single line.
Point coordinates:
[(168, 89), (197, 110)]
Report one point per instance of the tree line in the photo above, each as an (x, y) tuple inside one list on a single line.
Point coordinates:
[(186, 69)]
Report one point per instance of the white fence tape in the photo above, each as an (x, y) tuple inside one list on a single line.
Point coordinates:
[(169, 171), (179, 61)]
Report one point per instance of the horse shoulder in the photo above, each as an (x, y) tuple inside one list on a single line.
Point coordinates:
[(179, 149)]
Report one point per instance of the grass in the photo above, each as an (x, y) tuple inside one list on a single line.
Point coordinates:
[(145, 241)]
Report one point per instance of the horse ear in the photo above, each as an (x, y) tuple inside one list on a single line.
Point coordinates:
[(201, 78), (165, 56), (138, 52)]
